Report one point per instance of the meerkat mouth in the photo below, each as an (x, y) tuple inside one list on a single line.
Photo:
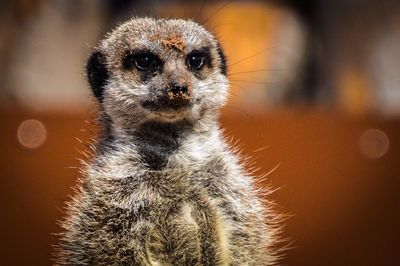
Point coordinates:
[(163, 109), (163, 105)]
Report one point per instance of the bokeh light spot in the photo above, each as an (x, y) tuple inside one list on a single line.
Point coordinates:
[(32, 134), (374, 143)]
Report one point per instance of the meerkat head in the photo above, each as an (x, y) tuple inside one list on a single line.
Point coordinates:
[(162, 70)]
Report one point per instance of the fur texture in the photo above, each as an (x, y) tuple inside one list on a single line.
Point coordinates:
[(163, 188)]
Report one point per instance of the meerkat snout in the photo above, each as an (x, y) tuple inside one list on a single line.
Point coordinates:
[(178, 92)]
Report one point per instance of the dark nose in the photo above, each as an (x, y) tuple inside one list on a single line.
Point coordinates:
[(178, 94), (178, 89)]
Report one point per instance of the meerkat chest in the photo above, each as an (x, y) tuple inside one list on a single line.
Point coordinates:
[(182, 208), (172, 211)]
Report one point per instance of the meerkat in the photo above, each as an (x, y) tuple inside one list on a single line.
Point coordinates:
[(164, 187)]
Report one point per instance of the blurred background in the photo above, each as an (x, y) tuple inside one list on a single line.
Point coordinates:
[(314, 90)]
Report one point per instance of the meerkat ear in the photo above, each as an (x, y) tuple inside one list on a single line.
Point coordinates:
[(97, 73), (222, 66)]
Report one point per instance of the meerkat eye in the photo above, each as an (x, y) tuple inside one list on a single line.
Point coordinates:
[(196, 61), (142, 61)]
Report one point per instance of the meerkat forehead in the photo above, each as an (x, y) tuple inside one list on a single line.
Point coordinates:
[(161, 36)]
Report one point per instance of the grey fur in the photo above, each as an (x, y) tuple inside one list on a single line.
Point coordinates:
[(164, 188)]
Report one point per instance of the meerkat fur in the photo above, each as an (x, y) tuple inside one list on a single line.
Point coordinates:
[(163, 186)]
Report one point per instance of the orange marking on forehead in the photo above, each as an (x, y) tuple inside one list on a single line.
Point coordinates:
[(175, 41)]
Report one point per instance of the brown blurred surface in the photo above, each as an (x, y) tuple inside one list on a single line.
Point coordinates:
[(345, 206)]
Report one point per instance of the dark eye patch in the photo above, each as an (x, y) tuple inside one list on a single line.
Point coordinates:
[(197, 59), (142, 61)]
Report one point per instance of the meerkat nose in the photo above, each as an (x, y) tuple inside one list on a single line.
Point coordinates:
[(178, 94), (179, 88)]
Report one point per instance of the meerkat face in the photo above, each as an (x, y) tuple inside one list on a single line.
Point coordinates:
[(165, 70)]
